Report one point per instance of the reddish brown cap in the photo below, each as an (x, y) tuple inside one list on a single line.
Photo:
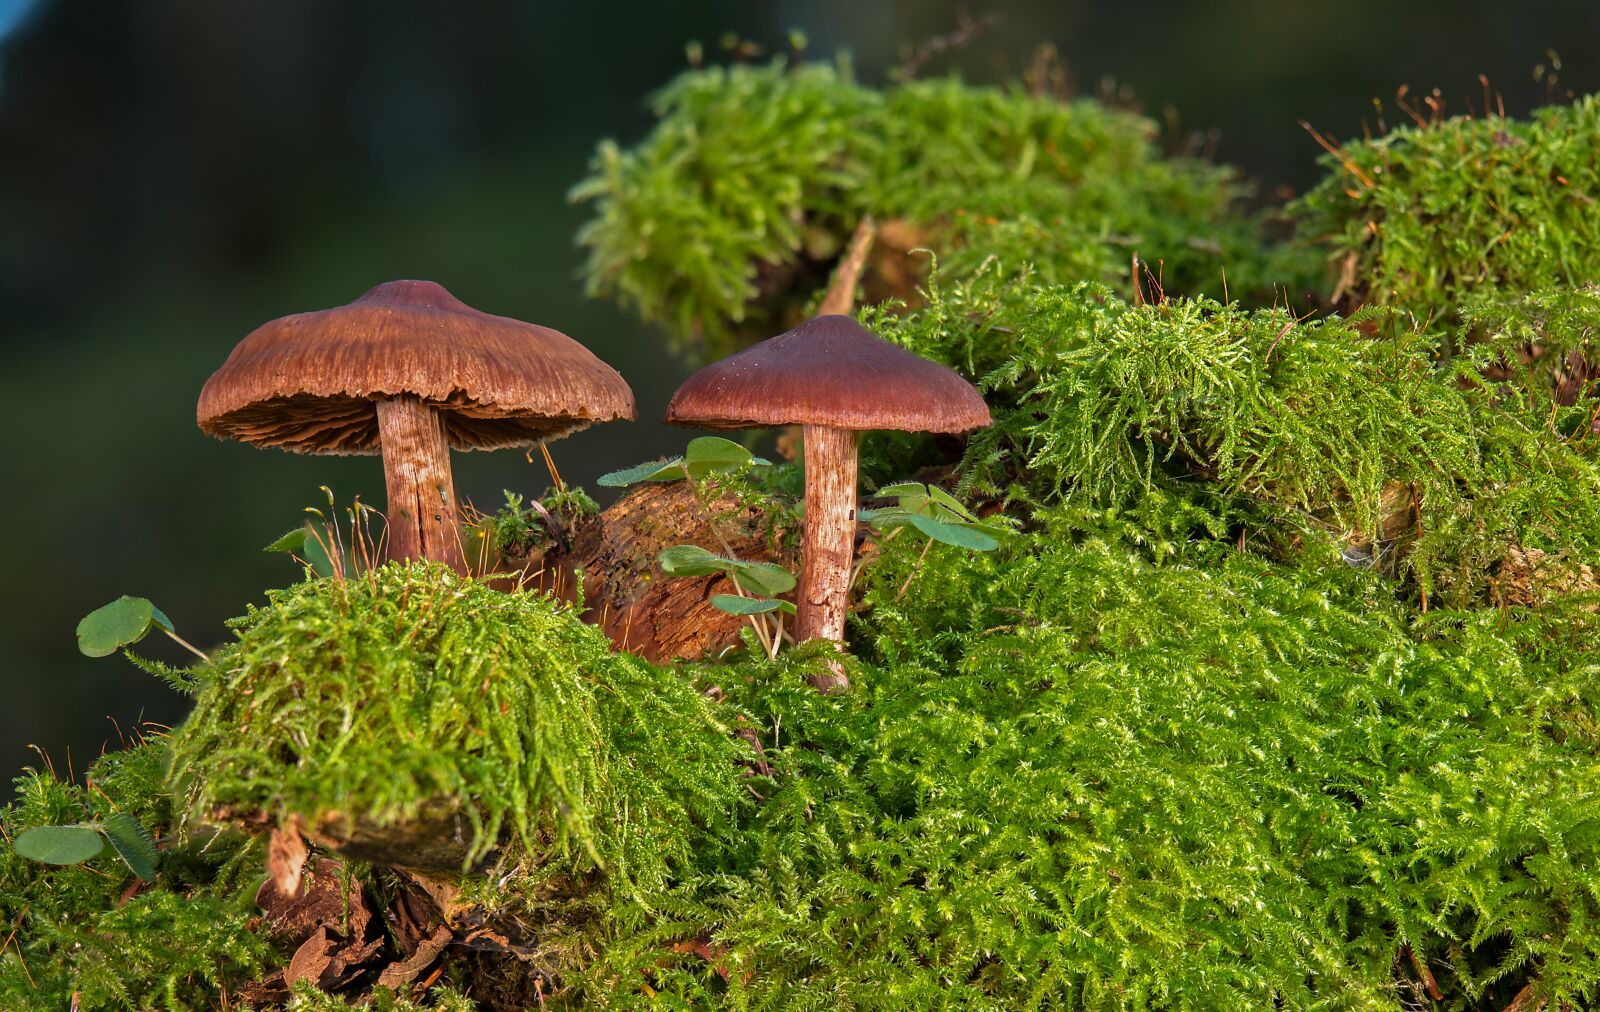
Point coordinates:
[(307, 382), (830, 371)]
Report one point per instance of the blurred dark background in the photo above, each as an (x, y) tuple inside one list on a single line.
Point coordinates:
[(176, 173)]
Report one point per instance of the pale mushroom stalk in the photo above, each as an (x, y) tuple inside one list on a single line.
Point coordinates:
[(827, 539), (422, 517), (828, 536), (836, 379)]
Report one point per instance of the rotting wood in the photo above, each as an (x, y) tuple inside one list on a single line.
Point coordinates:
[(625, 593)]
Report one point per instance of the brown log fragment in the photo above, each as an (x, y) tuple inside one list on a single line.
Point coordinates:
[(641, 608), (437, 838)]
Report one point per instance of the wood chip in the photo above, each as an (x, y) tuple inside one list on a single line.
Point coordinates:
[(286, 858), (310, 961), (409, 969)]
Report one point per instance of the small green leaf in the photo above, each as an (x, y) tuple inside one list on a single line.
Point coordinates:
[(766, 578), (715, 450), (133, 844), (735, 605), (885, 519), (304, 542), (707, 454), (653, 470), (116, 625), (899, 489), (692, 560), (954, 534), (949, 502), (291, 542), (316, 555), (59, 844), (160, 618), (915, 501)]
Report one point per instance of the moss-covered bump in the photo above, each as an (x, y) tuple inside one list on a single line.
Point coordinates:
[(722, 223), (410, 701), (1434, 216)]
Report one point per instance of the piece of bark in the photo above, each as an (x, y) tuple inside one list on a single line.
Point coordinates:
[(311, 960), (639, 607), (286, 858), (320, 902), (438, 838), (407, 970)]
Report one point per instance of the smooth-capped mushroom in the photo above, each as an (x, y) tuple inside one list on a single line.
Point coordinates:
[(410, 371), (836, 379)]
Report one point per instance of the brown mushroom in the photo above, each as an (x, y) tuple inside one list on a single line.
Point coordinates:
[(410, 371), (835, 378)]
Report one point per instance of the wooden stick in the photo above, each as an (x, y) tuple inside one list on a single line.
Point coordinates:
[(841, 295)]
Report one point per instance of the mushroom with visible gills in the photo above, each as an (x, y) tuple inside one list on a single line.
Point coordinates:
[(836, 379), (410, 371)]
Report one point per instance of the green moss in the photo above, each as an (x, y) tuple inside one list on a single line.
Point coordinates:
[(440, 999), (1074, 777), (1281, 432), (408, 693), (1241, 716), (1431, 217), (174, 945), (727, 217)]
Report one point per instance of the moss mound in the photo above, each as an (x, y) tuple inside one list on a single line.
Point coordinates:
[(1287, 435), (409, 696), (1076, 777), (1435, 216), (725, 220)]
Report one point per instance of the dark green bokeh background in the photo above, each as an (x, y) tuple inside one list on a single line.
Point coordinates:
[(176, 173)]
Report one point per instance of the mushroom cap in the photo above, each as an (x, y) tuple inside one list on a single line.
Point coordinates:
[(307, 382), (830, 371)]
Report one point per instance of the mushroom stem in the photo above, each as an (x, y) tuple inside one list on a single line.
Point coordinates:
[(827, 541), (416, 468)]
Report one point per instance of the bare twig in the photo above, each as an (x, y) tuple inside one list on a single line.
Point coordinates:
[(914, 570), (841, 294), (966, 31)]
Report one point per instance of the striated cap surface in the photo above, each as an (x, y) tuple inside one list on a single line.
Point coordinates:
[(307, 382), (830, 371)]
